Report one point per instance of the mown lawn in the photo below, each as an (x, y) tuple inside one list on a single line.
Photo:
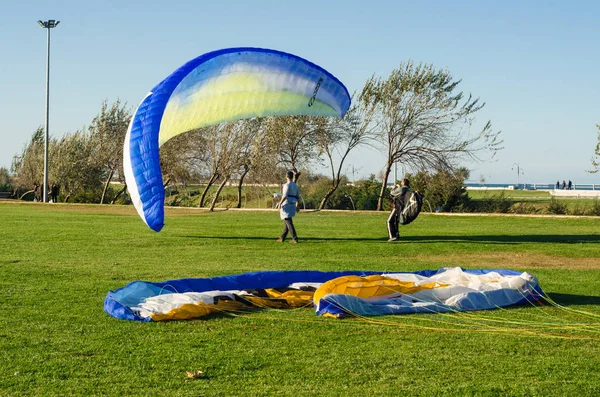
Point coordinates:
[(539, 198), (57, 262), (533, 202)]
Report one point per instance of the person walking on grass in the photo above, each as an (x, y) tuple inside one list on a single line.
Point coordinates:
[(288, 205)]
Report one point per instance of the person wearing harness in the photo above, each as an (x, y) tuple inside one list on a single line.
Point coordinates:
[(288, 206), (398, 194)]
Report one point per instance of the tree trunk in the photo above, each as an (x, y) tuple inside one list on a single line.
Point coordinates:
[(212, 180), (296, 174), (26, 193), (239, 203), (331, 190), (110, 175), (119, 194), (214, 202), (388, 169)]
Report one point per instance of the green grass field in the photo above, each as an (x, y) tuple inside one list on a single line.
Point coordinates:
[(540, 202), (513, 194), (57, 262)]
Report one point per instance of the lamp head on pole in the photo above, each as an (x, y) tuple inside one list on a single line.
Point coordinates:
[(51, 23)]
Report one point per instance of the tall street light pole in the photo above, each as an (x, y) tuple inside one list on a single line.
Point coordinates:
[(519, 172), (47, 25)]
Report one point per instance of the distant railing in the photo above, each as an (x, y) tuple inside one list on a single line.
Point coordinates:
[(531, 186)]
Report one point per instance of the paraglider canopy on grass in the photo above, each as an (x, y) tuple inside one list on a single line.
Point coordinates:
[(333, 294)]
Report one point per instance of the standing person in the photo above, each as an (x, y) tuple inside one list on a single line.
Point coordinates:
[(570, 185), (557, 185), (54, 193), (288, 206), (398, 194), (564, 185)]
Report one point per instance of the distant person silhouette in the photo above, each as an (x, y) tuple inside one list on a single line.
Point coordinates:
[(570, 185), (54, 192)]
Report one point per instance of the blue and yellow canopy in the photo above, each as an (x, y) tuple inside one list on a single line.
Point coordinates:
[(220, 86), (333, 294)]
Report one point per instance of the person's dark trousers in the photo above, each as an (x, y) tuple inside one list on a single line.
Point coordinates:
[(288, 226), (392, 224)]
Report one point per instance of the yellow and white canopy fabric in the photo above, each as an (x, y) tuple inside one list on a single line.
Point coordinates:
[(448, 290), (334, 294)]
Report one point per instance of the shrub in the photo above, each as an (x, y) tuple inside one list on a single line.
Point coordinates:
[(316, 187), (579, 209), (444, 189), (496, 203), (557, 207), (6, 187), (595, 208), (88, 196), (500, 203), (366, 193), (525, 208)]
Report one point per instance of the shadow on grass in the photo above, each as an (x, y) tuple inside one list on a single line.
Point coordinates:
[(301, 239), (508, 239), (488, 239), (569, 299)]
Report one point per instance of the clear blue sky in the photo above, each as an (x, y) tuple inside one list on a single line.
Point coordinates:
[(535, 63)]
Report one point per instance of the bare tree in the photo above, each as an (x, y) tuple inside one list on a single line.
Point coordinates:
[(292, 139), (183, 158), (235, 147), (222, 155), (212, 135), (251, 145), (423, 122), (339, 137)]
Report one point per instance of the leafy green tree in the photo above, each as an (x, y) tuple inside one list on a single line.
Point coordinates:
[(107, 133), (73, 168), (424, 122), (4, 176), (5, 180), (28, 167)]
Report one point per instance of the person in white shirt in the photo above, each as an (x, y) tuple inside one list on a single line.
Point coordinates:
[(288, 206)]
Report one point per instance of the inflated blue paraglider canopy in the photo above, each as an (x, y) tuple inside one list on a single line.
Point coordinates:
[(220, 86)]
